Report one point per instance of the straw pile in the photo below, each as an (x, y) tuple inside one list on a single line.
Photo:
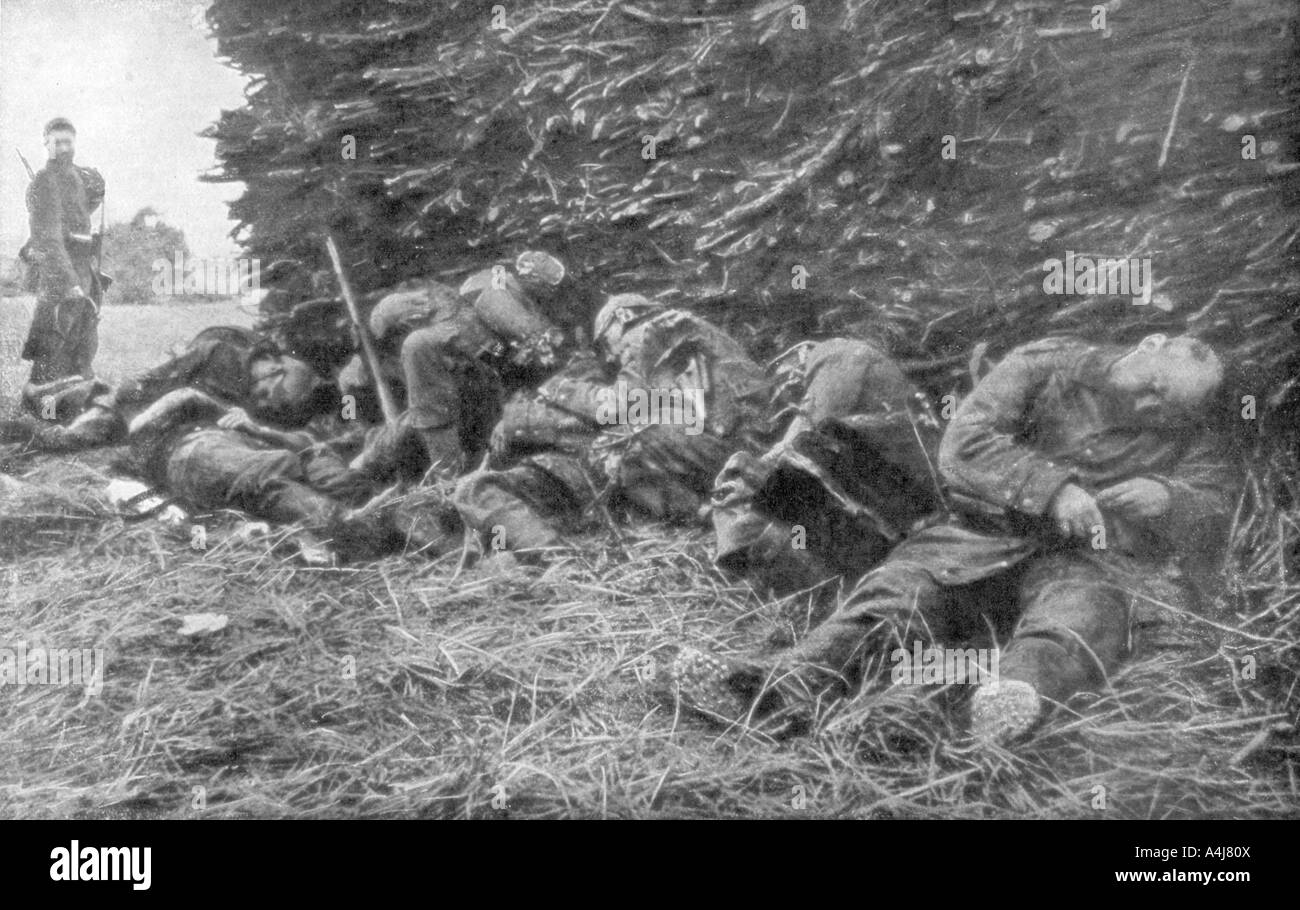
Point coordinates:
[(776, 148)]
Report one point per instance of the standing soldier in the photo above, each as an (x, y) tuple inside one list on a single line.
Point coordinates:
[(64, 334)]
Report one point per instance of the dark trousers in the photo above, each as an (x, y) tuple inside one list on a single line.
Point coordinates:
[(446, 388), (225, 469), (657, 473), (529, 505), (63, 339), (1068, 621), (853, 438)]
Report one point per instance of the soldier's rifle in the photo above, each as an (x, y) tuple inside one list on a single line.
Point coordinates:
[(100, 278), (31, 174), (387, 404), (25, 253)]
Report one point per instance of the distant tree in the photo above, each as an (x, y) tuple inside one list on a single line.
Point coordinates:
[(130, 251)]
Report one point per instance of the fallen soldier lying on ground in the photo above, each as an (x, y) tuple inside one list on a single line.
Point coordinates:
[(851, 475), (1079, 475), (233, 365), (229, 363), (212, 456), (586, 442), (447, 354)]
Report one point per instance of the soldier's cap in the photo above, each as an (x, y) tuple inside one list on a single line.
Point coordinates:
[(59, 123), (623, 309), (540, 266)]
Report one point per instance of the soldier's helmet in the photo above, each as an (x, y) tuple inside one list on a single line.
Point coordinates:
[(535, 265), (620, 311)]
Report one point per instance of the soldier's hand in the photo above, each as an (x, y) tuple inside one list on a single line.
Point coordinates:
[(1140, 497), (1075, 511), (235, 419)]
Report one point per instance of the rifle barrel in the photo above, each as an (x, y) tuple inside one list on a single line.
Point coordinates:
[(386, 402), (31, 174)]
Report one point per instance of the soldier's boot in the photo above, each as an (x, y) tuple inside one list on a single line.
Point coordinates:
[(442, 445), (1003, 711), (766, 694)]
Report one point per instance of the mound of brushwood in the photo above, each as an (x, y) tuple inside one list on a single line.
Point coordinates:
[(899, 170)]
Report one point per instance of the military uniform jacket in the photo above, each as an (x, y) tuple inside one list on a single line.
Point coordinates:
[(60, 199), (1044, 417), (677, 349)]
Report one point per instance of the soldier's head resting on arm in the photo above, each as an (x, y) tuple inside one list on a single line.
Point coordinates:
[(285, 389)]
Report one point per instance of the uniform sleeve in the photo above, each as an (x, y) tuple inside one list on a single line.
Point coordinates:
[(582, 391), (529, 423), (982, 455), (46, 212)]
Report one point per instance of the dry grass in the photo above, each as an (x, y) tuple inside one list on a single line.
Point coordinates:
[(508, 689)]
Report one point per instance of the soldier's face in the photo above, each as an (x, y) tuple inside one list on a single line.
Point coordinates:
[(1168, 380), (282, 387), (61, 145)]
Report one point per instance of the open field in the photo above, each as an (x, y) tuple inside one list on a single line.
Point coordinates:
[(407, 688), (132, 337)]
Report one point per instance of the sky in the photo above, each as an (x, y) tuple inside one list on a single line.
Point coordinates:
[(139, 79)]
